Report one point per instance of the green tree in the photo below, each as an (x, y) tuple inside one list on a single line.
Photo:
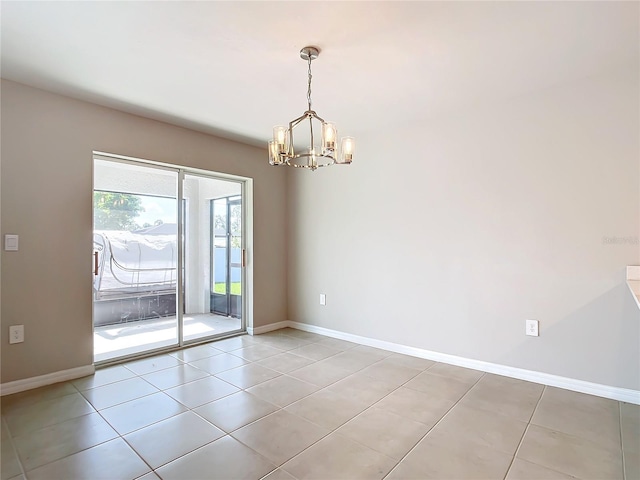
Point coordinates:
[(116, 211)]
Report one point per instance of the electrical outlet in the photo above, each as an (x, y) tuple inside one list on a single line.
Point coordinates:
[(16, 334), (323, 299), (531, 328)]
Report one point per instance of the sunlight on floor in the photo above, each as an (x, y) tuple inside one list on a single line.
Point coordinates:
[(113, 341)]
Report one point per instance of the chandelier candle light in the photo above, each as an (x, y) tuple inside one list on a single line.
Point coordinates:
[(282, 150)]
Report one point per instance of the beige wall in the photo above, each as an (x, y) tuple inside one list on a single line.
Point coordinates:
[(46, 170), (447, 235)]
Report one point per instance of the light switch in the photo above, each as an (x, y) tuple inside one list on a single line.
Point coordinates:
[(11, 243)]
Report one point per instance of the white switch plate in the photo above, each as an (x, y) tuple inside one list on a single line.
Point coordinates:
[(531, 328), (323, 299), (16, 334), (11, 243)]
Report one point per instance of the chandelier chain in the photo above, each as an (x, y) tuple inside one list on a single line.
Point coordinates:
[(309, 86)]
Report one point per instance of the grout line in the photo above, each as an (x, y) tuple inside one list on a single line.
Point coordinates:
[(5, 426), (316, 341), (434, 425), (330, 431), (524, 433), (624, 463)]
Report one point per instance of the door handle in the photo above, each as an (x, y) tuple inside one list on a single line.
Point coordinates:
[(244, 257), (95, 263)]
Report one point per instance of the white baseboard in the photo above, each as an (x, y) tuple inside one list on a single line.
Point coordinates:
[(606, 391), (267, 328), (50, 378)]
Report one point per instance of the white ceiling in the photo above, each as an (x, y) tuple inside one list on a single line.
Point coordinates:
[(233, 68)]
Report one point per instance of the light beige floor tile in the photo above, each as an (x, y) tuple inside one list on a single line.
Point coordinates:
[(103, 376), (372, 351), (388, 372), (465, 375), (283, 342), (62, 439), (248, 375), (523, 470), (594, 418), (314, 351), (338, 458), (437, 385), (632, 464), (149, 476), (285, 362), (118, 392), (224, 459), (152, 364), (337, 344), (47, 412), (570, 454), (108, 461), (320, 373), (630, 414), (235, 411), (192, 354), (219, 363), (435, 459), (130, 416), (18, 400), (408, 471), (283, 390), (253, 353), (233, 343), (280, 333), (384, 432), (280, 436), (408, 361), (201, 391), (351, 360), (293, 332), (414, 405), (362, 388), (508, 396), (630, 422), (174, 376), (279, 474), (10, 466), (169, 439), (327, 409), (471, 426)]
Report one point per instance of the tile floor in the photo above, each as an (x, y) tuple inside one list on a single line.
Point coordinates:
[(296, 405)]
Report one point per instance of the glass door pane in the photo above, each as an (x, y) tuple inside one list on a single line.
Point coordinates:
[(235, 261), (135, 259), (210, 251), (219, 301)]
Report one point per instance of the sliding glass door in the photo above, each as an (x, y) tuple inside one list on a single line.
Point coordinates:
[(226, 294), (150, 291), (213, 261)]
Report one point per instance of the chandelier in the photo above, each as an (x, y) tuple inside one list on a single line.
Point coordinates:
[(282, 150)]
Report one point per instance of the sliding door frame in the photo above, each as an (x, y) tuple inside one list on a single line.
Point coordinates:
[(246, 192)]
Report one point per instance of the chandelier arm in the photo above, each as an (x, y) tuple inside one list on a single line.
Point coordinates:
[(317, 117), (294, 123)]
